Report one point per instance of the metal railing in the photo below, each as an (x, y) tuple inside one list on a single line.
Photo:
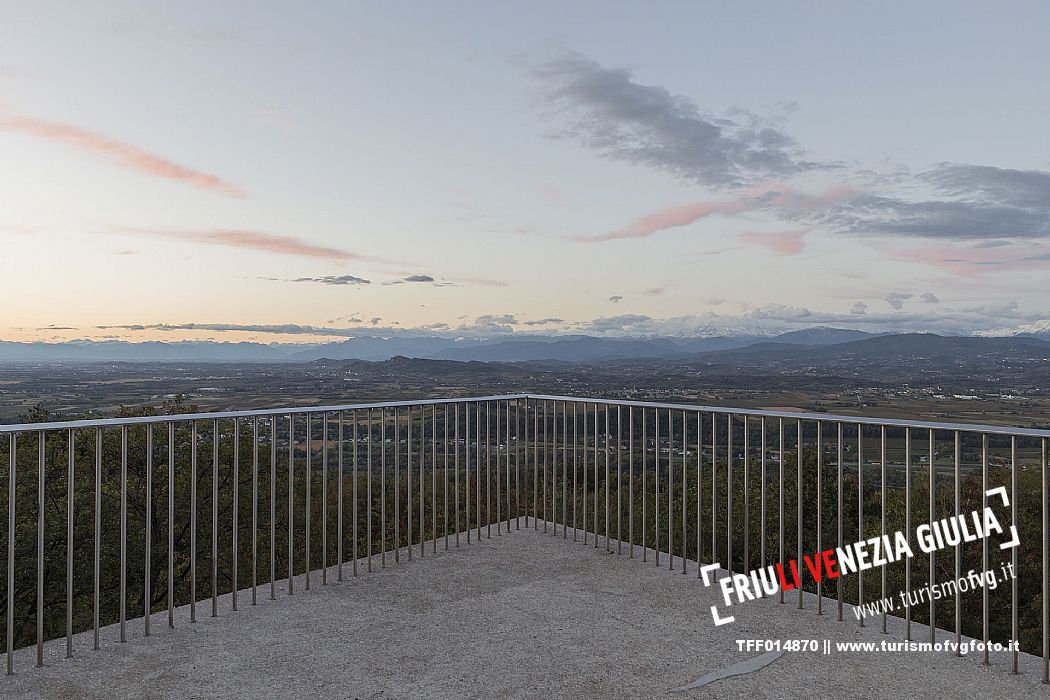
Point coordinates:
[(112, 515)]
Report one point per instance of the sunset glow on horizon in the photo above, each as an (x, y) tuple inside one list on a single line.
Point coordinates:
[(310, 173)]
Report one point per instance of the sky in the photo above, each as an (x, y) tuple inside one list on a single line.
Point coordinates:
[(303, 172)]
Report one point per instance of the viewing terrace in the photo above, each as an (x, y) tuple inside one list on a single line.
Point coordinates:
[(511, 546)]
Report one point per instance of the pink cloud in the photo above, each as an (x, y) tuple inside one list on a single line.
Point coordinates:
[(485, 282), (970, 261), (767, 197), (673, 217), (121, 153), (780, 242), (257, 240)]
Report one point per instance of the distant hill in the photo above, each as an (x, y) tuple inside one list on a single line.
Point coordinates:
[(153, 351), (380, 348), (888, 348), (576, 349), (822, 335), (813, 345)]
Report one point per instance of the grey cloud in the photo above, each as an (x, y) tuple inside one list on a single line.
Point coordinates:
[(419, 279), (623, 322), (781, 312), (954, 219), (606, 111), (980, 202), (616, 299), (1029, 189), (768, 319), (930, 298), (489, 323), (542, 321), (859, 308), (284, 329), (334, 280), (897, 299)]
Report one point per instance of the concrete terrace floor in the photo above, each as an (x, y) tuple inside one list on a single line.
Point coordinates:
[(524, 615)]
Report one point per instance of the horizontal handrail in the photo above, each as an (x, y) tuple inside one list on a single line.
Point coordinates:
[(799, 415), (983, 428), (224, 415)]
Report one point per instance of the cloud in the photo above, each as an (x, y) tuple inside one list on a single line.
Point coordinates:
[(897, 299), (655, 291), (616, 298), (118, 152), (334, 280), (257, 240), (490, 323), (780, 242), (971, 259), (418, 279), (781, 312), (607, 112), (484, 282), (19, 229), (871, 214), (768, 319), (978, 203), (447, 281), (1029, 189), (781, 200), (622, 323), (672, 217), (542, 321), (930, 298), (280, 329)]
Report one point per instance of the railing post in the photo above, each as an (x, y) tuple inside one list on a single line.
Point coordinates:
[(147, 568), (729, 492), (123, 537), (171, 523), (762, 506), (932, 518), (820, 511), (71, 446), (236, 507), (781, 495), (291, 505), (656, 486), (564, 473), (798, 495), (838, 493), (12, 468), (699, 491), (860, 511), (255, 509)]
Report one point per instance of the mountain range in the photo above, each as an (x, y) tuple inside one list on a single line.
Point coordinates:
[(815, 343)]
